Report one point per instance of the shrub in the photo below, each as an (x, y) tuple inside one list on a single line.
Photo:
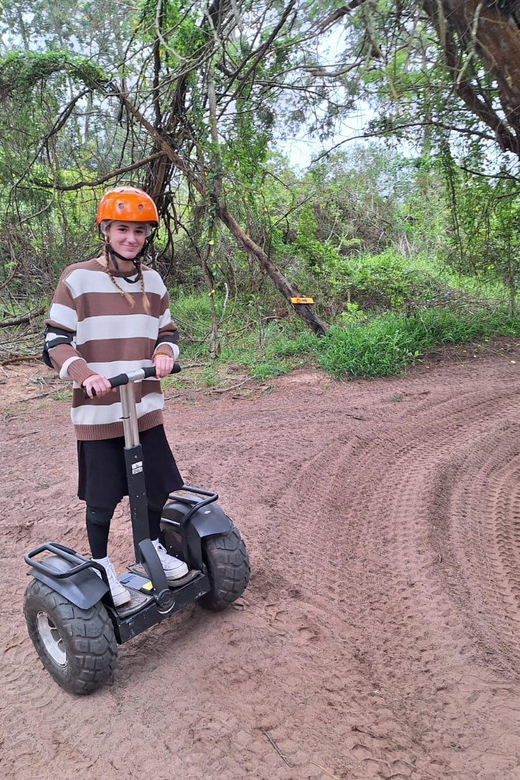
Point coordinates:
[(381, 281), (386, 344)]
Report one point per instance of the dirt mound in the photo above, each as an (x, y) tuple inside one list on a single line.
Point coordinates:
[(379, 637)]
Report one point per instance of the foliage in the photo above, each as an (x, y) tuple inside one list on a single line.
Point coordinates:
[(375, 346), (22, 72), (197, 96), (385, 281), (388, 343), (484, 239)]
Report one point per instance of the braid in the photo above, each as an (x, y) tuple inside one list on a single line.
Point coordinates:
[(110, 273), (146, 300)]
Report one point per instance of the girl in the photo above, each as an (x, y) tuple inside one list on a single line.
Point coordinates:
[(111, 315)]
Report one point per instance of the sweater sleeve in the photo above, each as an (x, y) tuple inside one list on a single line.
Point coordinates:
[(168, 338), (60, 345)]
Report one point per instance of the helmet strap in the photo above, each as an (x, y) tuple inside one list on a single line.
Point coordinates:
[(135, 260)]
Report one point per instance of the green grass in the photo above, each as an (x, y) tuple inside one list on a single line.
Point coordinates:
[(62, 395), (375, 345), (387, 344)]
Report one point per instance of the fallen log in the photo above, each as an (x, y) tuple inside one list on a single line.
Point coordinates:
[(24, 318)]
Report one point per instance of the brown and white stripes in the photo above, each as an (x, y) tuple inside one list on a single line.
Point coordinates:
[(105, 334)]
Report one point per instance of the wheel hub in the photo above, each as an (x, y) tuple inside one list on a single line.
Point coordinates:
[(51, 638)]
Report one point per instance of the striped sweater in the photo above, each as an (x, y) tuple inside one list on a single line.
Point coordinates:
[(93, 329)]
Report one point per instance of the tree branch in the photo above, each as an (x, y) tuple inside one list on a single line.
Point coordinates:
[(24, 318), (506, 139), (339, 13), (112, 175), (377, 134), (257, 56)]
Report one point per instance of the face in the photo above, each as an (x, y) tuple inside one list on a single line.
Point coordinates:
[(127, 238)]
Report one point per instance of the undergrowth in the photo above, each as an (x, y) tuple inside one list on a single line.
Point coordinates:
[(389, 343), (358, 345), (263, 339)]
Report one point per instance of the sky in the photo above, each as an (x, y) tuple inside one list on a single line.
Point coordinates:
[(301, 150)]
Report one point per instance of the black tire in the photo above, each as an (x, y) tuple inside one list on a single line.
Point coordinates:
[(76, 646), (228, 568)]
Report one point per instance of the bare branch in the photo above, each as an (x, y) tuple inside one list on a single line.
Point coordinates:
[(24, 318), (403, 126), (338, 14), (112, 175), (331, 74), (259, 53)]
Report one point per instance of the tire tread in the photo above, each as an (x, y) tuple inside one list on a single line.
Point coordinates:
[(229, 569), (87, 634)]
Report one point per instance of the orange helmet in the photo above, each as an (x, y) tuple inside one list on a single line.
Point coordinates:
[(127, 204)]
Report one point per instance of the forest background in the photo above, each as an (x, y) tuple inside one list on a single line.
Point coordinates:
[(402, 234)]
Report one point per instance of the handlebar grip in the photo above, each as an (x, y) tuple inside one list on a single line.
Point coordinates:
[(149, 371), (123, 379), (117, 381)]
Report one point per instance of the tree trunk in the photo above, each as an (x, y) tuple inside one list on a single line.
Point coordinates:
[(495, 36), (215, 346), (288, 290)]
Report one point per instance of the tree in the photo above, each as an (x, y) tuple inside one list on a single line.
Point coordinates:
[(201, 80), (191, 99), (428, 64)]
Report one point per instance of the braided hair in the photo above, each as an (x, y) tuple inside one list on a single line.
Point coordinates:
[(146, 300), (112, 275)]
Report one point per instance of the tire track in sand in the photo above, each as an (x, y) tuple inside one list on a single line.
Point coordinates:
[(391, 510), (377, 638)]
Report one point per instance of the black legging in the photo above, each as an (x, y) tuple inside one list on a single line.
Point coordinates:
[(98, 527)]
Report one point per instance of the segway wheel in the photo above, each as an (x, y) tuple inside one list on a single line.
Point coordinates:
[(76, 646), (228, 568)]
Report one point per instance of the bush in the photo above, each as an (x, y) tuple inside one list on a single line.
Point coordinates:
[(364, 345), (385, 345), (384, 281)]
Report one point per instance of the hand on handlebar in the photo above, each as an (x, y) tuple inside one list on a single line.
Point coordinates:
[(96, 385), (163, 365)]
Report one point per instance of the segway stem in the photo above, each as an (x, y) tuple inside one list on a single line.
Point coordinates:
[(130, 425), (134, 465)]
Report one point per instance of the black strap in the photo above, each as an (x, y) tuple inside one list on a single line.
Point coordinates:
[(142, 253), (61, 336), (168, 338)]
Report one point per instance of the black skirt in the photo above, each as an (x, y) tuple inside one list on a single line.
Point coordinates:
[(102, 472)]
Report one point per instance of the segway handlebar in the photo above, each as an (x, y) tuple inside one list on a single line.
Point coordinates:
[(132, 376), (140, 373), (79, 562)]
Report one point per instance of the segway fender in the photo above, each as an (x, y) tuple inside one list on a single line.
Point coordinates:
[(210, 520), (83, 589), (194, 525)]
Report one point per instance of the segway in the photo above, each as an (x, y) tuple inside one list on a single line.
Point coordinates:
[(71, 618)]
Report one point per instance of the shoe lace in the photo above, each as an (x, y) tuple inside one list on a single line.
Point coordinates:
[(161, 550), (112, 576)]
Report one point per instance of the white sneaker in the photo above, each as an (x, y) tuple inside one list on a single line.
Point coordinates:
[(120, 595), (173, 567)]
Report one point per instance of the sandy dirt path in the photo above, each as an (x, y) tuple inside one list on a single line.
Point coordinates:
[(379, 637)]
